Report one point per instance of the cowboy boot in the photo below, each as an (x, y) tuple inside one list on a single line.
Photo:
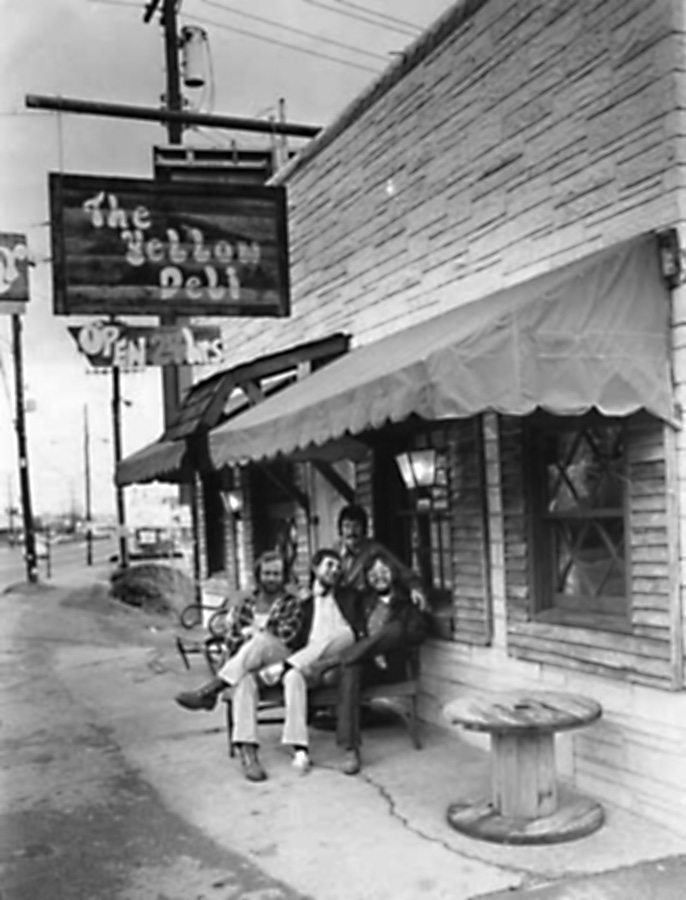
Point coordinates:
[(352, 763), (252, 767), (205, 697)]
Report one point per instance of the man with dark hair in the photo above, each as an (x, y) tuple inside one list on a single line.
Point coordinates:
[(332, 621), (357, 548), (392, 624)]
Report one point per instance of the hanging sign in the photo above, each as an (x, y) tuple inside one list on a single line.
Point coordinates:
[(115, 344), (14, 278), (145, 247)]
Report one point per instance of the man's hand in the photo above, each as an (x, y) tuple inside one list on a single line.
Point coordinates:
[(419, 598), (303, 594), (249, 631)]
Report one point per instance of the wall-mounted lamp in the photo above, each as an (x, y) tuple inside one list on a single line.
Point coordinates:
[(671, 257), (233, 502), (418, 471)]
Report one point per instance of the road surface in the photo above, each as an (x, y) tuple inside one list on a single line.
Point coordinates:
[(77, 820)]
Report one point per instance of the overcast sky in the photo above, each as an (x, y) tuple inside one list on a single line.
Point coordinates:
[(316, 54)]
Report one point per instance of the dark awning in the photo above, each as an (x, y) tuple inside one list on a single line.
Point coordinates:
[(210, 401), (159, 461), (591, 334)]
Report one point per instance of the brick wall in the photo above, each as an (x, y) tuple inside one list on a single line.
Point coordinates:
[(518, 143)]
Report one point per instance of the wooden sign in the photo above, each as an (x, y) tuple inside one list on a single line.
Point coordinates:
[(134, 247), (115, 344), (14, 279)]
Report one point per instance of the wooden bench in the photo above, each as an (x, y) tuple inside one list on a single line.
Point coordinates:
[(402, 695)]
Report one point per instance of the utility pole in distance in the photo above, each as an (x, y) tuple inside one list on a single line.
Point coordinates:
[(87, 486), (116, 432), (24, 482)]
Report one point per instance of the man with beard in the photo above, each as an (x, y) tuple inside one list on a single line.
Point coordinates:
[(392, 625)]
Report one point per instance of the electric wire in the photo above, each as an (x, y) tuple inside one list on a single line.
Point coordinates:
[(122, 3), (352, 15), (202, 20), (299, 31), (381, 15)]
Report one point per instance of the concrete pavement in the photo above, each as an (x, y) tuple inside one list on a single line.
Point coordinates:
[(379, 835)]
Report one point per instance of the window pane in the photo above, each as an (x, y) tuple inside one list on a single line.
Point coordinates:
[(582, 516)]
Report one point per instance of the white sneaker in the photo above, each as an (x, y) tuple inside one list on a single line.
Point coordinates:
[(302, 762)]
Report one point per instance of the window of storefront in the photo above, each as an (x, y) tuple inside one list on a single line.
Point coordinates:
[(578, 484)]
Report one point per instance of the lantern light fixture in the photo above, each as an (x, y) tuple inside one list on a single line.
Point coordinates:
[(418, 471)]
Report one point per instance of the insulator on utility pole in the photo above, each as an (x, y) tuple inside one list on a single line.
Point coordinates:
[(193, 55)]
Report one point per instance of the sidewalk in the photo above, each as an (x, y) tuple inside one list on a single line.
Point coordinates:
[(382, 834)]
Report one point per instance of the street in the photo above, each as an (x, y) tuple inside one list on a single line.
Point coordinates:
[(67, 561), (78, 822), (112, 793)]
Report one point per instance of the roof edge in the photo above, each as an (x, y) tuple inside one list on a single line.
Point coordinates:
[(425, 44)]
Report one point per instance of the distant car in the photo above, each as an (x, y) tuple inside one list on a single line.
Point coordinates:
[(42, 544)]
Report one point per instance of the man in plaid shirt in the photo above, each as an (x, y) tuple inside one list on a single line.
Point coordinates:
[(262, 629), (283, 618)]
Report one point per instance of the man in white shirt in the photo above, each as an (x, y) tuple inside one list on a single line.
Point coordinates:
[(332, 619)]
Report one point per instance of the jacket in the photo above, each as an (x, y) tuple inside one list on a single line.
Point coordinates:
[(348, 600), (402, 610)]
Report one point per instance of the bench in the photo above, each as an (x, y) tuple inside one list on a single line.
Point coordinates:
[(403, 695)]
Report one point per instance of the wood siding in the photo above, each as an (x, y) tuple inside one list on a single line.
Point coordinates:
[(471, 594), (644, 654)]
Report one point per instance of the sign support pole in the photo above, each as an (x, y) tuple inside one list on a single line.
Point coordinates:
[(87, 486), (116, 433), (24, 481)]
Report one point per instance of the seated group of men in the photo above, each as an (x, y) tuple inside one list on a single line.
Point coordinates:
[(360, 614)]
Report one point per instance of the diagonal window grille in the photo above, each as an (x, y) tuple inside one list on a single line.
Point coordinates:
[(584, 514)]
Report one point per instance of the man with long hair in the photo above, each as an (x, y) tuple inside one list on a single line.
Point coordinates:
[(392, 624)]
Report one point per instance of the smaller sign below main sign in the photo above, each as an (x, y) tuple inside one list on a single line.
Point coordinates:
[(108, 344), (14, 279)]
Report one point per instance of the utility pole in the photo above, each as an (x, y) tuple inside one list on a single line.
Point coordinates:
[(87, 486), (116, 433), (175, 379), (24, 482)]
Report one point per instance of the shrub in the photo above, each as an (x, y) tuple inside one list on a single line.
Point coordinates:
[(153, 587)]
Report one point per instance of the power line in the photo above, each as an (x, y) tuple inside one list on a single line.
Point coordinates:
[(261, 37), (374, 12), (117, 3), (309, 34), (359, 18)]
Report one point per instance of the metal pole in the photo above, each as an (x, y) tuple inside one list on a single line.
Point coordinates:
[(195, 526), (178, 116), (116, 433), (24, 481), (87, 486)]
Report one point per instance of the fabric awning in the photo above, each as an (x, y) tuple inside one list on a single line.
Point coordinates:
[(212, 400), (160, 461), (591, 334)]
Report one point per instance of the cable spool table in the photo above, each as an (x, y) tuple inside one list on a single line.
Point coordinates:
[(525, 807)]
